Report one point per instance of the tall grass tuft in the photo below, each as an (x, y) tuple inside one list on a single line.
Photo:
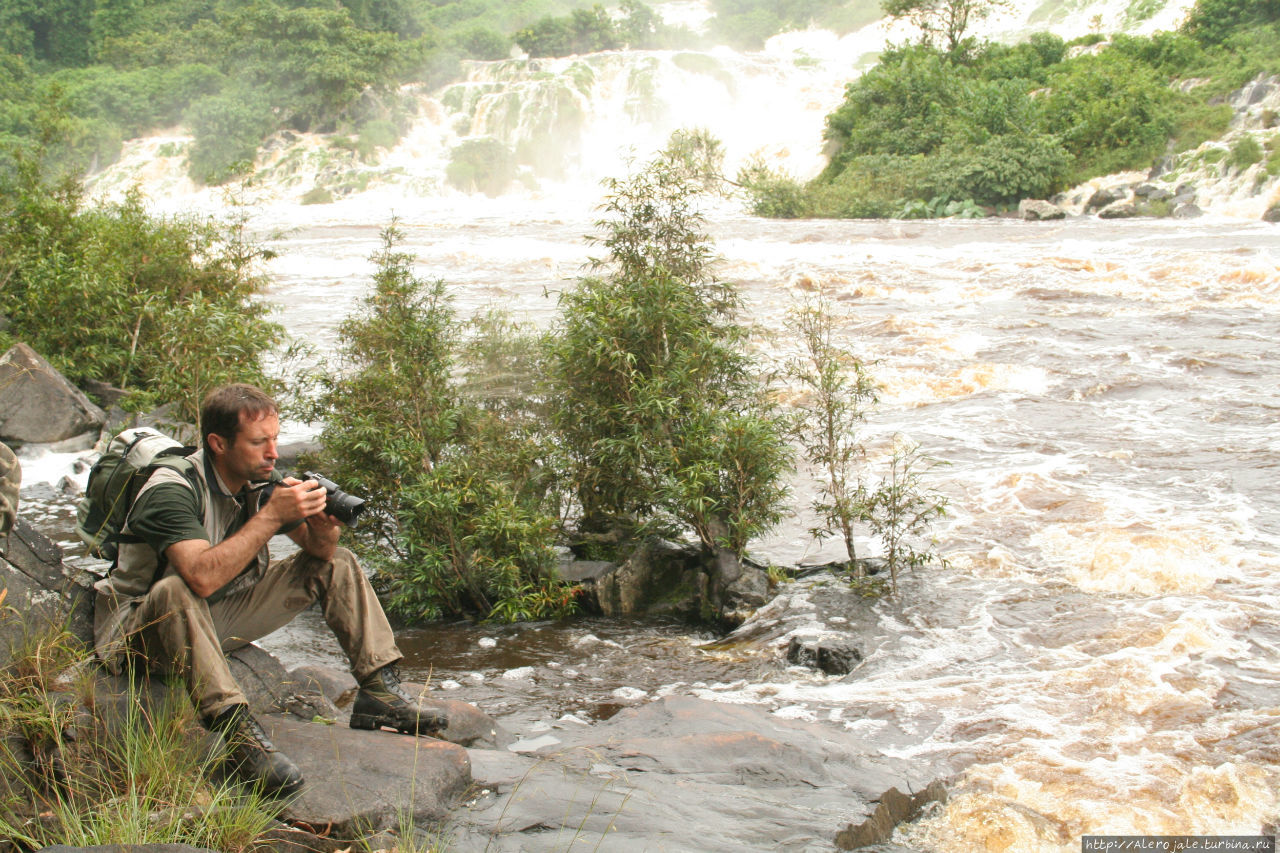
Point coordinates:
[(88, 773)]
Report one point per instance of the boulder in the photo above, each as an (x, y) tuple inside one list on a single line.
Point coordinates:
[(38, 404), (361, 782), (268, 686), (662, 578), (893, 808), (585, 571), (40, 592), (1105, 197), (658, 578), (1272, 214), (1151, 192), (1160, 167), (1037, 210), (1119, 210), (468, 725), (10, 484), (1187, 211), (832, 655)]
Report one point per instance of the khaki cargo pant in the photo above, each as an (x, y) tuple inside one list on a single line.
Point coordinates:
[(181, 634)]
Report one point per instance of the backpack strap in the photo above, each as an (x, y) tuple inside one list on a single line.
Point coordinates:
[(176, 459)]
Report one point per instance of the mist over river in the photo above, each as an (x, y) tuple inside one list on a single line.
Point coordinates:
[(1101, 654)]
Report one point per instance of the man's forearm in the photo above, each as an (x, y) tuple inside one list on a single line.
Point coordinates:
[(207, 569)]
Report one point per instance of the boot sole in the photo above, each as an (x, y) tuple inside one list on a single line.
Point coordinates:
[(373, 722)]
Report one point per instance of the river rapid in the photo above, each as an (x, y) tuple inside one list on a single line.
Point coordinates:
[(1100, 654)]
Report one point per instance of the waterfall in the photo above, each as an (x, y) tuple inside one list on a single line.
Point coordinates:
[(572, 121)]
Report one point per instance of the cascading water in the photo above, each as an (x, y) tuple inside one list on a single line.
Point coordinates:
[(1101, 654)]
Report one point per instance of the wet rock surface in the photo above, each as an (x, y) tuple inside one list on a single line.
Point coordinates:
[(680, 773), (660, 772)]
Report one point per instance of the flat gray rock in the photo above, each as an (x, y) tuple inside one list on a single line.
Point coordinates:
[(679, 773), (359, 782)]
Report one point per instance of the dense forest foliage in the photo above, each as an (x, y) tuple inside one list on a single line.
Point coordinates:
[(234, 71), (952, 125)]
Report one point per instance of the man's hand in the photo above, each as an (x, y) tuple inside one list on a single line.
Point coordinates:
[(294, 500), (319, 535)]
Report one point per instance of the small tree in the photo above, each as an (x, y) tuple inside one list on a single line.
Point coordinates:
[(456, 521), (945, 21), (660, 411), (839, 390), (901, 511)]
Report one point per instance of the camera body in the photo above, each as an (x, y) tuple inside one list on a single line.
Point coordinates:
[(342, 506)]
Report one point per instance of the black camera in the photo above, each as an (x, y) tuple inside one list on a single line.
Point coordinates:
[(338, 503), (342, 506)]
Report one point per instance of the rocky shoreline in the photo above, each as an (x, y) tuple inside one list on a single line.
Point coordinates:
[(674, 772)]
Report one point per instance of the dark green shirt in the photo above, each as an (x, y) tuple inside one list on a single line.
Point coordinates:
[(168, 513)]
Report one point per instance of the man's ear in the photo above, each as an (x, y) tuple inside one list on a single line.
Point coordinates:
[(217, 443)]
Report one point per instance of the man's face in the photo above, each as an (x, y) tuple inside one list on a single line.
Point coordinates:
[(253, 454)]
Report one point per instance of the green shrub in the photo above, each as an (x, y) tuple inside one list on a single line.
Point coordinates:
[(1212, 22), (228, 129), (481, 42), (1003, 170), (378, 133), (839, 393), (486, 165), (317, 195), (655, 403), (1273, 156), (1110, 113), (773, 194), (456, 523), (582, 31), (181, 293), (1245, 151)]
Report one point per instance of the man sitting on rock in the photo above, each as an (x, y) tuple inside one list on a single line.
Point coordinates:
[(199, 584)]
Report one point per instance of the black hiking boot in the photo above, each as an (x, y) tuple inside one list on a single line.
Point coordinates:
[(383, 702), (251, 756)]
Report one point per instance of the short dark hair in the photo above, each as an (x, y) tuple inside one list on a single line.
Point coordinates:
[(220, 413)]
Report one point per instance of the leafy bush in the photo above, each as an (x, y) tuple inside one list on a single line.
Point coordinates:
[(1245, 151), (481, 164), (456, 523), (772, 193), (1110, 112), (165, 307), (1212, 22), (902, 509), (903, 106), (582, 31), (655, 403), (228, 129), (839, 391), (481, 42), (1004, 169)]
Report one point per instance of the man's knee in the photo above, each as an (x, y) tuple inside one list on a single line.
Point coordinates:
[(169, 594)]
